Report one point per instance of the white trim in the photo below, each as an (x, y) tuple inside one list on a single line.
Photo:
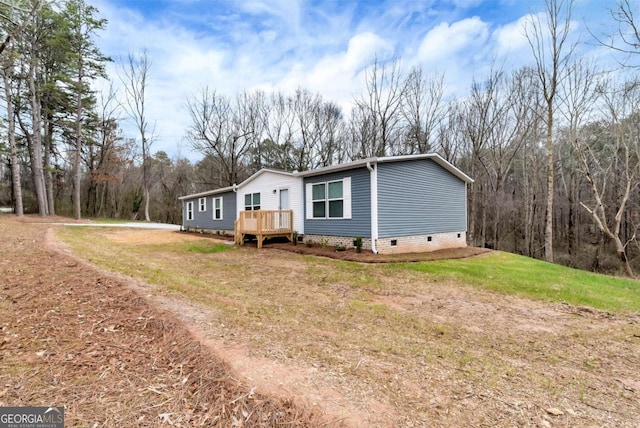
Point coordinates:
[(309, 201), (202, 204), (374, 205), (209, 193), (253, 204), (346, 197), (213, 208), (190, 211)]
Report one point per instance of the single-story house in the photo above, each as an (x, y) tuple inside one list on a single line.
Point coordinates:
[(395, 204), (214, 210)]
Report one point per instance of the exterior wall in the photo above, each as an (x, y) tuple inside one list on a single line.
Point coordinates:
[(419, 197), (204, 219), (265, 184), (360, 222), (421, 243)]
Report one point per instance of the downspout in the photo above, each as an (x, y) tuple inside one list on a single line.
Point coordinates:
[(235, 221), (374, 206)]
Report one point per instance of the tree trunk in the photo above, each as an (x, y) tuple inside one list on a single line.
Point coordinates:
[(146, 204), (548, 224), (48, 175), (471, 209), (77, 213), (36, 155), (16, 184)]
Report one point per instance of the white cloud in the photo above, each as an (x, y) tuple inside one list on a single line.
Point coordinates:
[(232, 45), (512, 36), (446, 40)]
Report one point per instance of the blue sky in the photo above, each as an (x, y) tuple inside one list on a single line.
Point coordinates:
[(323, 46)]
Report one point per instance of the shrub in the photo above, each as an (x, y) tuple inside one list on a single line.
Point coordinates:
[(358, 244)]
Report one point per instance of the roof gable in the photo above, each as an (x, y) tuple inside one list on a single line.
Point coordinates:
[(265, 171)]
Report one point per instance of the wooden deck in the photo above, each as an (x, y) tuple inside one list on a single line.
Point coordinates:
[(263, 224)]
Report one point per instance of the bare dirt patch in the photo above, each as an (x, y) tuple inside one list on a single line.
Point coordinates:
[(368, 346), (350, 254), (73, 336), (368, 257)]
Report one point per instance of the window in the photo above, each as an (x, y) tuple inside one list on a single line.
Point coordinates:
[(252, 201), (190, 210), (217, 208), (202, 204), (331, 199)]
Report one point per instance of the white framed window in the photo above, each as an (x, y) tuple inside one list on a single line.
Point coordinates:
[(190, 210), (252, 201), (217, 208), (329, 199), (202, 204)]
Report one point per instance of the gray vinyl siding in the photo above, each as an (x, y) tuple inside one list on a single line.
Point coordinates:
[(204, 219), (419, 197), (359, 225)]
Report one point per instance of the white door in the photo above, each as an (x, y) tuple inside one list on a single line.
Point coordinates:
[(283, 219), (284, 199)]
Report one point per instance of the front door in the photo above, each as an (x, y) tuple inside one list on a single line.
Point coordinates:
[(284, 199), (283, 219)]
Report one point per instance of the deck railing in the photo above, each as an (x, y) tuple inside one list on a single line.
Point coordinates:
[(264, 223)]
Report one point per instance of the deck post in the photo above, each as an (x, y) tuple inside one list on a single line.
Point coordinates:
[(263, 224)]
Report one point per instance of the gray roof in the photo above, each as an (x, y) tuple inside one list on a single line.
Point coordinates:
[(209, 193)]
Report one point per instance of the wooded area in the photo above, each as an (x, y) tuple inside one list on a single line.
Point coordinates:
[(554, 148)]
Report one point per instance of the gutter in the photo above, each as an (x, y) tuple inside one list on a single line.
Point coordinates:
[(374, 205)]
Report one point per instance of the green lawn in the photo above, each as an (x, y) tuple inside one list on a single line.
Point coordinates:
[(404, 332), (522, 276)]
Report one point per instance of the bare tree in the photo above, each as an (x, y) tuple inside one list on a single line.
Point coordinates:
[(135, 79), (450, 139), (380, 109), (612, 158), (626, 37), (100, 157), (512, 125), (548, 41), (274, 151), (423, 109), (214, 131), (479, 117)]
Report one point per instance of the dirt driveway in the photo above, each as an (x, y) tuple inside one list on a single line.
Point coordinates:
[(119, 351)]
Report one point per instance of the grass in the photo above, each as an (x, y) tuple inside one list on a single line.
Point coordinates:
[(204, 248), (109, 221), (522, 276), (377, 326)]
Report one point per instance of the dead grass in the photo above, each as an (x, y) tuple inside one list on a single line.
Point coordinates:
[(395, 347), (75, 337)]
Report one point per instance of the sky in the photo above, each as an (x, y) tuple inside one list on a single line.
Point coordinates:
[(324, 46)]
